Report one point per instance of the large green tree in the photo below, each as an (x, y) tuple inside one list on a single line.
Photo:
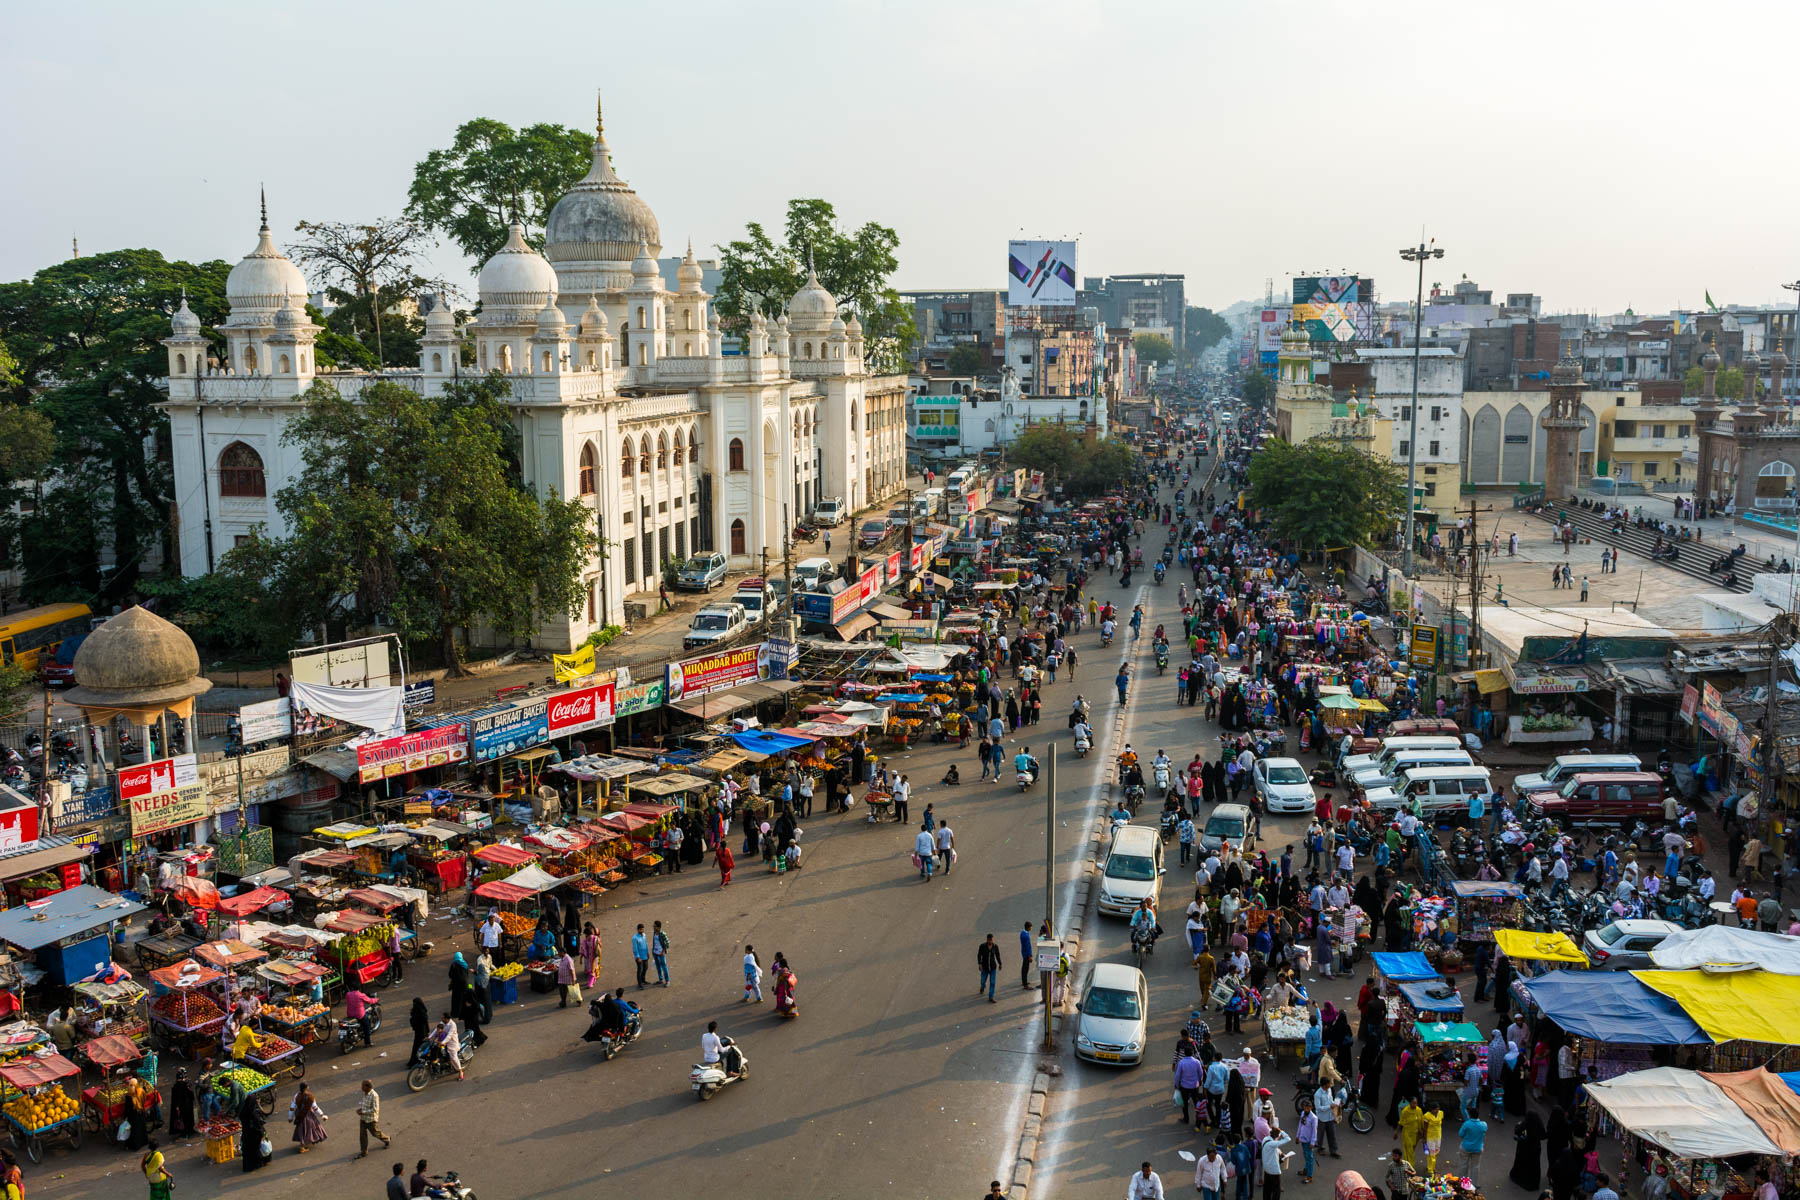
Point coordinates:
[(1257, 389), (759, 273), (1324, 495), (86, 337), (966, 358), (470, 191), (411, 509), (374, 273), (1727, 385), (1205, 328), (1066, 456), (1153, 348)]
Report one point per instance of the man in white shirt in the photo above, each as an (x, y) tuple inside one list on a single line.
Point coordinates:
[(1145, 1185), (1251, 1070), (1325, 1107), (1707, 886), (709, 1044), (1339, 895), (1346, 857), (1559, 876), (1274, 1158), (946, 842), (490, 935)]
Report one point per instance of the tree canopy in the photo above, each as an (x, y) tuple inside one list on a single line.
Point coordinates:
[(470, 191), (1066, 456), (1205, 328), (1323, 495), (86, 337), (759, 273), (1257, 389), (966, 358), (1153, 348), (371, 271), (1727, 385), (410, 509)]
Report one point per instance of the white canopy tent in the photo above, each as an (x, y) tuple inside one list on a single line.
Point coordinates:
[(1726, 948), (1683, 1112)]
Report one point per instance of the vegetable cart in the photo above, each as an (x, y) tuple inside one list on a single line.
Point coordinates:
[(299, 1018), (38, 1108), (362, 952), (118, 1009), (254, 1082)]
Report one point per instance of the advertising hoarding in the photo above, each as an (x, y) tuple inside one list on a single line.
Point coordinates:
[(722, 669), (1335, 308), (1270, 327), (266, 721), (511, 729), (156, 811), (412, 752), (639, 697), (582, 708), (1424, 645), (366, 665), (1040, 273), (420, 694), (163, 775)]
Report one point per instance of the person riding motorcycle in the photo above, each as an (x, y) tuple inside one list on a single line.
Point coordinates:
[(1023, 761), (1134, 777), (1107, 629), (1084, 733), (1162, 764), (608, 1016), (1127, 759), (1143, 925)]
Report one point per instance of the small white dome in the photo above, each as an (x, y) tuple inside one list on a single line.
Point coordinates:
[(644, 265), (291, 317), (185, 323), (812, 308), (440, 319), (838, 328), (550, 321), (688, 274), (593, 318), (517, 277), (263, 281)]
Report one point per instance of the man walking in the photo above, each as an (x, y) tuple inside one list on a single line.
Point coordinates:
[(946, 845), (987, 957), (368, 1117), (1145, 1184), (489, 937), (902, 793), (640, 954), (1474, 1136), (1185, 831), (659, 952), (1274, 1158), (1025, 956)]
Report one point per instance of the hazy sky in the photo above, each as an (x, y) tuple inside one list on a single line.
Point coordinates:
[(1598, 154)]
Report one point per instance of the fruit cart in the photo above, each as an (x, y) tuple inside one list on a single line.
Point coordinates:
[(391, 904), (120, 1009), (254, 1082), (299, 1018), (37, 1107), (108, 1052), (184, 1018), (276, 1056), (361, 954), (321, 879)]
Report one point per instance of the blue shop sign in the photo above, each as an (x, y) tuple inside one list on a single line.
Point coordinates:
[(419, 694), (508, 730)]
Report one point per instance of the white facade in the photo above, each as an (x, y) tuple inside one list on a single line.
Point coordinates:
[(989, 424), (619, 389), (1439, 418)]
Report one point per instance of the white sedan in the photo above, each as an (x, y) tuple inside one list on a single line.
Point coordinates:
[(1283, 785)]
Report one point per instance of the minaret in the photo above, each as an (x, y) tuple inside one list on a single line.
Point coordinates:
[(1562, 425), (1706, 420)]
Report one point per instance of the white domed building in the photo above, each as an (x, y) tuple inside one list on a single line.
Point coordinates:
[(621, 389)]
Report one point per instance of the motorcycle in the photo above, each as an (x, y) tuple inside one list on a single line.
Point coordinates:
[(1159, 574), (1025, 778), (1164, 777), (437, 1065), (1134, 795), (350, 1032), (1082, 746), (1166, 827), (1143, 944), (613, 1040), (1162, 659), (708, 1078), (449, 1186), (1105, 639)]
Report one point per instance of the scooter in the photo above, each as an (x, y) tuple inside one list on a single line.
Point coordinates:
[(1159, 574), (449, 1187), (1164, 777), (437, 1065), (1082, 746), (1166, 827), (1162, 659), (1025, 778), (350, 1032), (1105, 639), (612, 1040), (708, 1078)]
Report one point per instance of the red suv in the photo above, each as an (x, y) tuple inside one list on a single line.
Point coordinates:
[(1602, 798)]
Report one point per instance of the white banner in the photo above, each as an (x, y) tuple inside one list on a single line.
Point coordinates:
[(375, 708), (266, 721)]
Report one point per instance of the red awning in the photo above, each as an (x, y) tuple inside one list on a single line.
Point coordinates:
[(326, 859), (36, 1072), (348, 920), (508, 893), (381, 902), (626, 822), (655, 812), (251, 901), (505, 856), (201, 893), (111, 1050), (185, 974), (228, 953)]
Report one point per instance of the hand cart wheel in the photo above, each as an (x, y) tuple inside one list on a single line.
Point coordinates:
[(300, 1065), (34, 1148), (266, 1102)]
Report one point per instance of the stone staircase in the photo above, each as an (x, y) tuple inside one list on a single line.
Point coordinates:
[(1694, 555)]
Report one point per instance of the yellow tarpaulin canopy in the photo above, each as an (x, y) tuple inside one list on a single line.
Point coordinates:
[(1539, 947), (1371, 704), (1756, 1006), (1488, 682)]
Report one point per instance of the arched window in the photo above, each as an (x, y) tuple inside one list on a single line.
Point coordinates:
[(694, 443), (806, 350), (737, 537), (854, 427), (249, 358), (640, 316), (689, 314), (241, 472), (484, 365), (644, 454), (590, 462), (678, 447), (437, 363), (735, 455), (506, 360), (662, 451), (643, 355), (547, 362), (181, 364), (625, 458), (590, 360), (281, 364)]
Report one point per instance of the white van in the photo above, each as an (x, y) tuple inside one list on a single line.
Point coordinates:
[(1408, 760), (810, 574), (933, 499), (1566, 765), (1133, 870), (1437, 789), (829, 512), (1394, 745)]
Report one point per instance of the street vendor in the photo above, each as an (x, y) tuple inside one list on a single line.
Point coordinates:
[(246, 1044)]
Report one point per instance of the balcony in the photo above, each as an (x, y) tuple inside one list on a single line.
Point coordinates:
[(1650, 445)]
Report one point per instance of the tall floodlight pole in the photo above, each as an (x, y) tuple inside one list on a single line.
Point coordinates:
[(1793, 604), (1424, 251)]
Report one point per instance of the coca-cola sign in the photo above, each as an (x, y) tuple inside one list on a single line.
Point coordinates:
[(582, 708)]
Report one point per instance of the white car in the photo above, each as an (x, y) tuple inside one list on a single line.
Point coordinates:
[(714, 623), (1283, 785), (1114, 1006)]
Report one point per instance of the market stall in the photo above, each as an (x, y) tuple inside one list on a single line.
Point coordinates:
[(321, 877), (1447, 1049), (120, 1009), (1428, 1001), (362, 953), (36, 1106), (189, 1007), (434, 860), (1484, 905), (1613, 1020), (68, 935), (1531, 954), (1709, 1132)]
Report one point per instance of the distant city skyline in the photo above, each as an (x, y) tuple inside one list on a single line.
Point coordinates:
[(1229, 145)]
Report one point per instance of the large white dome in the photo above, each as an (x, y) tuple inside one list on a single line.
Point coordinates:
[(517, 278), (812, 309), (600, 219), (264, 281)]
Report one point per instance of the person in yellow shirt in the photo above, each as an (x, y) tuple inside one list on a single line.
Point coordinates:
[(162, 1184), (1434, 1137), (1412, 1118), (245, 1043)]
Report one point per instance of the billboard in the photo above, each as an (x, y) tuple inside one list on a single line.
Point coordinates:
[(266, 721), (364, 664), (1335, 308), (510, 729), (581, 708), (412, 752), (717, 671), (164, 775), (1040, 273), (1270, 328)]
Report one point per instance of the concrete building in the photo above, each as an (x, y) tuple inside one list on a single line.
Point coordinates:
[(620, 392), (1142, 303), (1439, 456), (946, 320)]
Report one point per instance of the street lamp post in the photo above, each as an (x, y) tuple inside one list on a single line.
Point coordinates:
[(1424, 251)]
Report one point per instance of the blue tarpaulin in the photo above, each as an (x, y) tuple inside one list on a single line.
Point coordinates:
[(1417, 993), (933, 678), (1613, 1006), (903, 697), (1410, 965), (1792, 1079), (761, 742)]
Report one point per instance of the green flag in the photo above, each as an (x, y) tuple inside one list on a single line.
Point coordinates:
[(1711, 307)]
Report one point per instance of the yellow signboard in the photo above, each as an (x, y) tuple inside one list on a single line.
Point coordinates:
[(168, 810), (1424, 645), (578, 665)]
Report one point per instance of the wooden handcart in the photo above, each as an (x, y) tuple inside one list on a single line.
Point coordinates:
[(36, 1107)]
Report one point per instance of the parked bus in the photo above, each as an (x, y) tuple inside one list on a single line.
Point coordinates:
[(24, 636)]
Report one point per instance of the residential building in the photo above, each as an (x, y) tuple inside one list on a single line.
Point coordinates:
[(1142, 303), (1439, 427), (946, 320)]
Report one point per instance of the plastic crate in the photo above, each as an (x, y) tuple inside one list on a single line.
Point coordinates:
[(504, 991), (222, 1150), (541, 981)]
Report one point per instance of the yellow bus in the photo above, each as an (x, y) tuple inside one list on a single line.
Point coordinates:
[(35, 632)]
